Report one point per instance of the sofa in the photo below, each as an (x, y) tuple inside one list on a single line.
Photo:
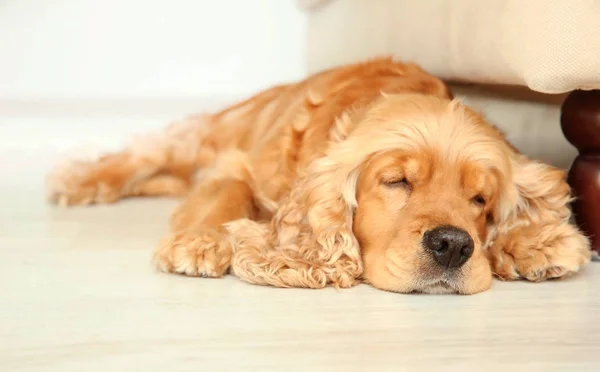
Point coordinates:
[(532, 67)]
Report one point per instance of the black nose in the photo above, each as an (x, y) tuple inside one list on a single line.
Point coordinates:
[(449, 246)]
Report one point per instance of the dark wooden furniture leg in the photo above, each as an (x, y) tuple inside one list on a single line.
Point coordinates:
[(580, 122)]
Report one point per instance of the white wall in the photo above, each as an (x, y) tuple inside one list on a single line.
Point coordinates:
[(147, 48)]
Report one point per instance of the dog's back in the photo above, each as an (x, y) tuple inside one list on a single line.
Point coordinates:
[(280, 130)]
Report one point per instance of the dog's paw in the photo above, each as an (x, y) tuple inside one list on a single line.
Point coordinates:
[(207, 254), (561, 254), (81, 183), (546, 271)]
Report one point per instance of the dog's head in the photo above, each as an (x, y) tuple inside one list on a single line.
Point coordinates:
[(418, 189)]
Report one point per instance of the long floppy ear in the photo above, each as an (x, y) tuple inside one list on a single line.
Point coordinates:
[(533, 237), (309, 241)]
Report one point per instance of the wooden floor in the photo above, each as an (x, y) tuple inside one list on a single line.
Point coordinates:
[(77, 293)]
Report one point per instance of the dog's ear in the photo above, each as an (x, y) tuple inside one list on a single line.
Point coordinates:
[(538, 194), (316, 222), (309, 240), (532, 236)]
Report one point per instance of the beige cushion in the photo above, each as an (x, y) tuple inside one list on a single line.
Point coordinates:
[(551, 46)]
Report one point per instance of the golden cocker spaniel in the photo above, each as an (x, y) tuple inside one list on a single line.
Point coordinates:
[(367, 172)]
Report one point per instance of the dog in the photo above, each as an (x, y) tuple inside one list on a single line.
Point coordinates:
[(370, 172)]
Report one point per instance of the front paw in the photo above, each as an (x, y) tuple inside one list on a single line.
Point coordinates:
[(206, 254), (554, 252)]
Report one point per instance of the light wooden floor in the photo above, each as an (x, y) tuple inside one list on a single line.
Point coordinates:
[(77, 293)]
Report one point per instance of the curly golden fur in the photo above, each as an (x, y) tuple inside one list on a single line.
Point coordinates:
[(338, 179)]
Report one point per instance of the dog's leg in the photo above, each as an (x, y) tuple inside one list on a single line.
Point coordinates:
[(199, 245), (163, 165)]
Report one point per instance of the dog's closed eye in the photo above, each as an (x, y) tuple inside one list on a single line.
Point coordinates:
[(478, 200), (396, 183)]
